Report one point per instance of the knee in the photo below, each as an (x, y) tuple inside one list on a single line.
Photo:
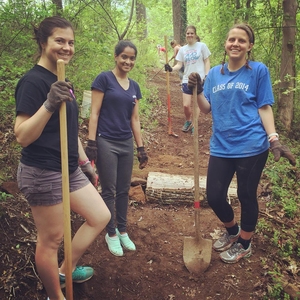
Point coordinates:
[(100, 219), (51, 240)]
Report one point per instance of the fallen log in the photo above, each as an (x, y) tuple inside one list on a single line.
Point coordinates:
[(178, 189)]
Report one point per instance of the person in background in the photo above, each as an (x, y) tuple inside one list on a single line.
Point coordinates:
[(161, 51), (239, 96), (114, 122), (38, 98), (195, 58), (176, 48)]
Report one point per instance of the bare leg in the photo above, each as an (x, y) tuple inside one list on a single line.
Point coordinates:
[(88, 203), (187, 107), (49, 237)]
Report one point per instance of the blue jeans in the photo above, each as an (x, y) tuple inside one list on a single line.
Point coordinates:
[(114, 165)]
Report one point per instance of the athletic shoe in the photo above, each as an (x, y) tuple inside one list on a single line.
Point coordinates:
[(114, 245), (79, 275), (235, 253), (187, 126), (226, 241), (126, 242), (192, 131)]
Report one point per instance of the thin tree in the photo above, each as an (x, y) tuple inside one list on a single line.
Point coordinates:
[(179, 20), (287, 68)]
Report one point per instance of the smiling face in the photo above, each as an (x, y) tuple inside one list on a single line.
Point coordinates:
[(59, 45), (237, 44), (190, 35), (126, 59)]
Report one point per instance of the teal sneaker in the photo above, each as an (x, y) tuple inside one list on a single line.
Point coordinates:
[(187, 126), (114, 245), (192, 131), (79, 275), (235, 253), (126, 242)]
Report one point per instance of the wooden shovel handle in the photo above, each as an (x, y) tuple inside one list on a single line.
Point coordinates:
[(65, 185)]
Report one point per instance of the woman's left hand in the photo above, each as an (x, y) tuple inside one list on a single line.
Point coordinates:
[(279, 150), (142, 157)]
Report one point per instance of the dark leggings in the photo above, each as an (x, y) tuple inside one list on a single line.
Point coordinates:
[(248, 172)]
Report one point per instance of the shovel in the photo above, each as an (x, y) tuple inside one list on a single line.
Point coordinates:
[(170, 132), (65, 185), (196, 250)]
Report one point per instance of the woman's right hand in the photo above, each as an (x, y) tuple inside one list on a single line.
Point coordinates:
[(195, 80), (59, 92)]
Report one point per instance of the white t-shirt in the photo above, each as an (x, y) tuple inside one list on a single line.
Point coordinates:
[(193, 59)]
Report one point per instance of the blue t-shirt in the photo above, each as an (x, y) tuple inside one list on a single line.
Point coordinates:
[(114, 121), (235, 98)]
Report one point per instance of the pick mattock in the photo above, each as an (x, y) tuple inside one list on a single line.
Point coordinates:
[(170, 132), (65, 185), (197, 250)]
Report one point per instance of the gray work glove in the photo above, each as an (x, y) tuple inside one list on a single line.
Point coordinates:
[(59, 92), (279, 150), (142, 157), (91, 150), (195, 80), (90, 173)]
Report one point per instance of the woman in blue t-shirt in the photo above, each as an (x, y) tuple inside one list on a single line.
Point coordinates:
[(239, 96), (114, 122)]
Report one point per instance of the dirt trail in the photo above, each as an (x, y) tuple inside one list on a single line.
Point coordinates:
[(156, 270)]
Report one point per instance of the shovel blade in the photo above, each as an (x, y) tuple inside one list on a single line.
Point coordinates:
[(196, 254)]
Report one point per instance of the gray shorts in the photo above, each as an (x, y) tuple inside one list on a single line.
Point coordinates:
[(43, 187)]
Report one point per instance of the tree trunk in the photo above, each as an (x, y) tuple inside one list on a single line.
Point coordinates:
[(141, 18), (287, 68), (58, 6), (179, 20)]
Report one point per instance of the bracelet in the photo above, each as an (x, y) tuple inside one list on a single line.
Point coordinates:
[(84, 162), (272, 136)]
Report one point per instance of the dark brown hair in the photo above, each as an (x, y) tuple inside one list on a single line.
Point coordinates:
[(46, 28), (191, 27), (248, 29), (122, 45)]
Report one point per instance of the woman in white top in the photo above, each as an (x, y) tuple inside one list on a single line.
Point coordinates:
[(194, 56)]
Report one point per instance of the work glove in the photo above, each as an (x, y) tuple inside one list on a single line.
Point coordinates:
[(91, 150), (89, 172), (142, 157), (279, 150), (195, 80), (59, 92), (168, 68)]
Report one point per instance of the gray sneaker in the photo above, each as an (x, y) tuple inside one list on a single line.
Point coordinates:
[(187, 126), (235, 253), (225, 241)]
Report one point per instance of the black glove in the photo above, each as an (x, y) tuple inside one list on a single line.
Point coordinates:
[(59, 92), (142, 157), (168, 68), (279, 150), (89, 172), (195, 80), (91, 150)]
